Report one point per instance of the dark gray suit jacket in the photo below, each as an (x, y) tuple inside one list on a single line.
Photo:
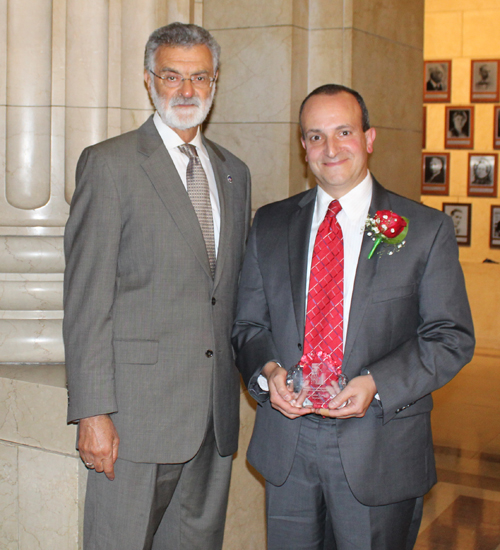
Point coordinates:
[(146, 329), (409, 324)]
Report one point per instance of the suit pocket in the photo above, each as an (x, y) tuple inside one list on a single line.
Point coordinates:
[(393, 293), (137, 352)]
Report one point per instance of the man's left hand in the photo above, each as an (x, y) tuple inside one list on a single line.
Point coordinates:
[(353, 400)]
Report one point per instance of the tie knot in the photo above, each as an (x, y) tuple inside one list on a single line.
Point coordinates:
[(189, 150), (333, 209)]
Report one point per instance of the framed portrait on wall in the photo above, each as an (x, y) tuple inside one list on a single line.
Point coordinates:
[(484, 80), (461, 215), (495, 226), (496, 128), (437, 81), (459, 127), (482, 180), (435, 173)]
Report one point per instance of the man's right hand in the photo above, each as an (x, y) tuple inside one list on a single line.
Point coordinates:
[(282, 399), (98, 444)]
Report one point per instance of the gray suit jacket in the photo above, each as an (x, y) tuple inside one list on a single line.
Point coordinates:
[(146, 329), (409, 324)]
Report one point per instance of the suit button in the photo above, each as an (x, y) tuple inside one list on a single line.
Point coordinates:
[(299, 346), (209, 353), (214, 301)]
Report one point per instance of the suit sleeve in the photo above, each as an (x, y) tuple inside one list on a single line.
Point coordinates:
[(252, 337), (91, 245), (444, 342)]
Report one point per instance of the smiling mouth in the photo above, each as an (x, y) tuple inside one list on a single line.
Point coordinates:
[(334, 163)]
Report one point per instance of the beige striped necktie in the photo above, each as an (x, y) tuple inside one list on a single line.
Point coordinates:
[(199, 193)]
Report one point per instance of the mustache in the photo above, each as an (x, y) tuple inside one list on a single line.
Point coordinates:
[(181, 100)]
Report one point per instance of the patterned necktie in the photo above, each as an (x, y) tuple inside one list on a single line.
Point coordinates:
[(325, 303), (199, 193)]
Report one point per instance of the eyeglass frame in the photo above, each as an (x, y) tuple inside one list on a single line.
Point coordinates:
[(191, 78)]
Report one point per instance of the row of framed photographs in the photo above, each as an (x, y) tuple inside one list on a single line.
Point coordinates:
[(482, 174), (484, 81), (461, 214), (459, 127)]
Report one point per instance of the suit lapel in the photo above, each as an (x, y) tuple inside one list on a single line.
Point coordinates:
[(163, 175), (299, 230), (365, 274), (223, 180)]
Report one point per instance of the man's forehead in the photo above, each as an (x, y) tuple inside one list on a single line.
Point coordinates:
[(323, 108), (198, 53)]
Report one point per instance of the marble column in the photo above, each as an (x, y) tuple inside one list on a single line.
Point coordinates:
[(28, 103), (86, 80)]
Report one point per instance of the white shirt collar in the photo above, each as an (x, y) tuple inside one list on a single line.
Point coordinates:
[(355, 204), (172, 140)]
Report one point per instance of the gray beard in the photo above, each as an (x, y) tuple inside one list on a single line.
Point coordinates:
[(170, 116)]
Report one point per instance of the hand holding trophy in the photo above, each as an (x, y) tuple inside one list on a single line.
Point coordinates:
[(320, 376)]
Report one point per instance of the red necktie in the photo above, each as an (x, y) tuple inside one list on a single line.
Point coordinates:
[(325, 303)]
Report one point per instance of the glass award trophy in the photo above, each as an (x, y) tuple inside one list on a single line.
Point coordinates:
[(320, 376)]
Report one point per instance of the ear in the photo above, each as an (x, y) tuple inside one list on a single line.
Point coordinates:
[(147, 79), (304, 146), (370, 136)]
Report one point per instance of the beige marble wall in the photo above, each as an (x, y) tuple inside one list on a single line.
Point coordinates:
[(40, 493), (273, 57), (262, 80), (387, 51)]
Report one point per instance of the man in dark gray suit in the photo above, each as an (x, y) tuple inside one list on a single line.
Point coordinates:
[(154, 246), (358, 469)]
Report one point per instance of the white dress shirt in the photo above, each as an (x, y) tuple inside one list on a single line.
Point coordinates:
[(352, 218), (172, 141)]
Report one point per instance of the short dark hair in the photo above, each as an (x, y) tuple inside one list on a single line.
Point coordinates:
[(183, 35), (334, 89)]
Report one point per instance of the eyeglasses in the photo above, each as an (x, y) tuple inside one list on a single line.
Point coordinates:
[(174, 80)]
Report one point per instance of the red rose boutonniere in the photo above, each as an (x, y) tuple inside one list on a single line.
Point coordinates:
[(387, 227)]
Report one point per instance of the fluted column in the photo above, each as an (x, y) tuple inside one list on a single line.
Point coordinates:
[(139, 19), (87, 25), (28, 102)]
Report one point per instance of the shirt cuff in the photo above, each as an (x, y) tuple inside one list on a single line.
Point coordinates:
[(262, 381)]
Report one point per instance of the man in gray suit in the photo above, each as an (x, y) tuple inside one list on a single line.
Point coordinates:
[(154, 246), (358, 469)]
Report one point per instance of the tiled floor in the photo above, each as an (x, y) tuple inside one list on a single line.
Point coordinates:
[(462, 512)]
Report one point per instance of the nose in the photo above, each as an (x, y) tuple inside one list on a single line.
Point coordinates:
[(187, 88), (331, 147)]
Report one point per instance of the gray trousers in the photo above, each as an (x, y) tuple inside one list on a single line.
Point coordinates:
[(315, 509), (160, 506)]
